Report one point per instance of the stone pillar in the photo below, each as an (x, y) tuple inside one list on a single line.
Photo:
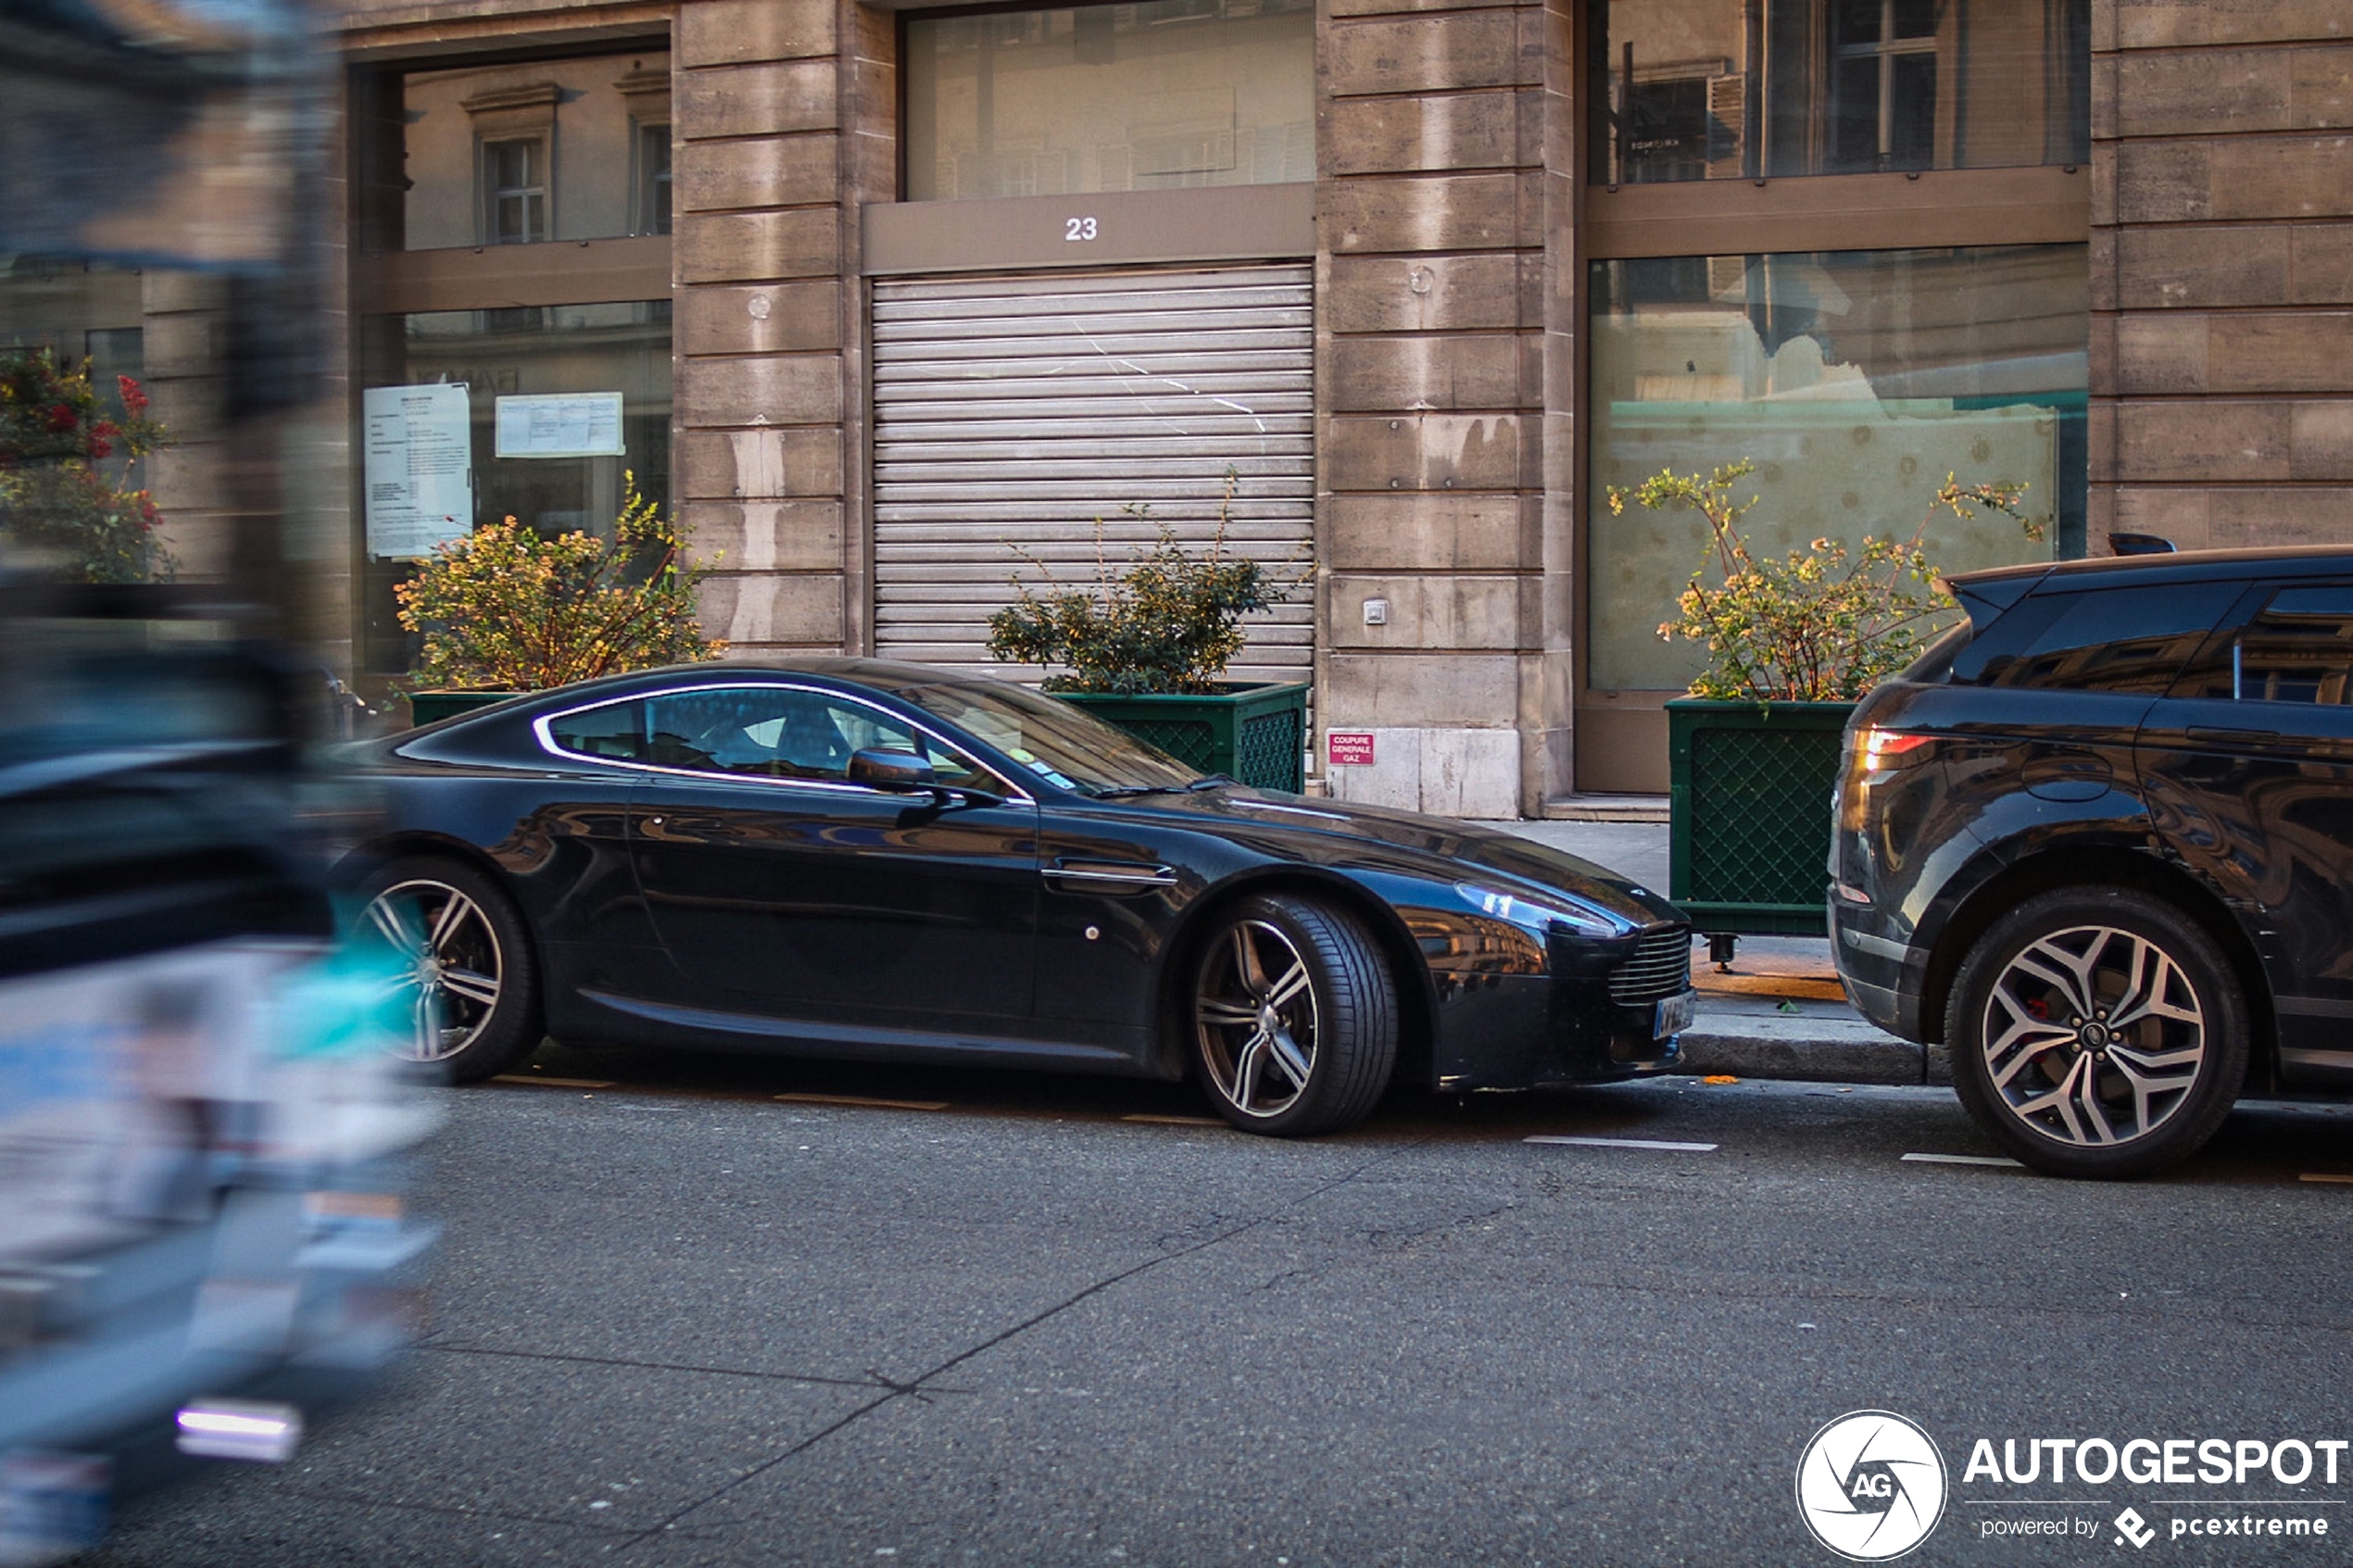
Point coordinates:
[(183, 345), (1435, 448), (765, 388), (2222, 377)]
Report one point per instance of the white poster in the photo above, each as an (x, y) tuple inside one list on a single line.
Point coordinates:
[(567, 424), (419, 468)]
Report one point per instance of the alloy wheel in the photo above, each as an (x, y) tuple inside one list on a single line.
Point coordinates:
[(1256, 1013), (2094, 1036), (450, 961)]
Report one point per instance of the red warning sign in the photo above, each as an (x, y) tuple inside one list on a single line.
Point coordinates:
[(1349, 748)]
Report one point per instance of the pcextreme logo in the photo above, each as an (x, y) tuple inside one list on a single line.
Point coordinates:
[(1870, 1485)]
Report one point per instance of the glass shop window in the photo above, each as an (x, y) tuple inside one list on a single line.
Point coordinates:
[(1156, 95), (533, 412), (1855, 381)]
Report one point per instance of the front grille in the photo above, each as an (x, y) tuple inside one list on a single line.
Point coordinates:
[(1661, 967)]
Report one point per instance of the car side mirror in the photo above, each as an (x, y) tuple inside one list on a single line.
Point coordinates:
[(882, 767)]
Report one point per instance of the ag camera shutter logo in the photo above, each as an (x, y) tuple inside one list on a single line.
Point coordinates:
[(1870, 1485)]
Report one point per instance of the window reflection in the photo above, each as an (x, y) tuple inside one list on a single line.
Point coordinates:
[(1857, 381), (1750, 89), (1156, 95), (530, 151)]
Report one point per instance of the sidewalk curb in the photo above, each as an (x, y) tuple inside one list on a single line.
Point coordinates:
[(1815, 1043), (1802, 1060)]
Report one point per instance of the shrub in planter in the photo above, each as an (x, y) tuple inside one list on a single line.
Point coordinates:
[(62, 513), (505, 610), (1822, 624), (1144, 647), (1791, 643)]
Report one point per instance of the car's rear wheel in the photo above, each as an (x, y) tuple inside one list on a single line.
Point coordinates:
[(465, 984), (1293, 1017), (2097, 1032)]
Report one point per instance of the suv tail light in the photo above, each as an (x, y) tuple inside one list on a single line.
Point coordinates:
[(1875, 750), (1878, 749)]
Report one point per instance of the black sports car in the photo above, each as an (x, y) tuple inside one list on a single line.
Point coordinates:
[(859, 859)]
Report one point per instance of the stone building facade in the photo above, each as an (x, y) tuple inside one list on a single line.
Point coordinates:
[(1524, 252)]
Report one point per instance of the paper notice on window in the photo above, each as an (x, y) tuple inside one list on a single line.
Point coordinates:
[(568, 424), (419, 468)]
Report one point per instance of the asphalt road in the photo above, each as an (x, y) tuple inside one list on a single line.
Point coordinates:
[(681, 1322)]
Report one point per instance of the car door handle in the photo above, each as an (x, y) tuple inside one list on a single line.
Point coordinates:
[(1107, 876), (2228, 737)]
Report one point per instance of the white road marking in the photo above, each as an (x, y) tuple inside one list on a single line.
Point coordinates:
[(1966, 1160), (1177, 1120), (865, 1101), (534, 1079), (1625, 1143)]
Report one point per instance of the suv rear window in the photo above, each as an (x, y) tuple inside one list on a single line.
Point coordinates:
[(2297, 648), (2109, 639)]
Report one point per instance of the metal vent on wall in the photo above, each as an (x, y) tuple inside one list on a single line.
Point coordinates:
[(1012, 413)]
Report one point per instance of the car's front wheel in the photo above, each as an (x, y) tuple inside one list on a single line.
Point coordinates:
[(460, 961), (2097, 1032), (1293, 1016)]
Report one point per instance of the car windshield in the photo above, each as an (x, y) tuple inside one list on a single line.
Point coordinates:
[(1063, 746)]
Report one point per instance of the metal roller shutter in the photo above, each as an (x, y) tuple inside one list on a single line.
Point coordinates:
[(1016, 411)]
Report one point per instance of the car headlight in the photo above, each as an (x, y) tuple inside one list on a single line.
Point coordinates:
[(1538, 915)]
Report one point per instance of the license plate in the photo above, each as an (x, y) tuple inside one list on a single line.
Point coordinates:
[(1672, 1015)]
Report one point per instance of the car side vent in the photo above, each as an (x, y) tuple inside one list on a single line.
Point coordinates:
[(1661, 967)]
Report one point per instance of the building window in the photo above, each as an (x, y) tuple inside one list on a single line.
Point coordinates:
[(457, 156), (1750, 89), (651, 165), (1855, 382), (514, 191), (1883, 102), (1160, 94)]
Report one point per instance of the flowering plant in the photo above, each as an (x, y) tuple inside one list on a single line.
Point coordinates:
[(506, 610), (1169, 623), (56, 504), (1823, 624)]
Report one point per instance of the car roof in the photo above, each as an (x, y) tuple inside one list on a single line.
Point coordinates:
[(2181, 566), (884, 674)]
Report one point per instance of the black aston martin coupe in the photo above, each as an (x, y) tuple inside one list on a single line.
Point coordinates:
[(858, 858)]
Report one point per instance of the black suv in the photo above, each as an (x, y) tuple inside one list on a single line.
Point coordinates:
[(2098, 845)]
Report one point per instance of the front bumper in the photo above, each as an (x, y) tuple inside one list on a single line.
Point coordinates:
[(1525, 1031)]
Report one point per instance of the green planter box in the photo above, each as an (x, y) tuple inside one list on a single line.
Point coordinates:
[(1256, 733), (424, 707), (1749, 813)]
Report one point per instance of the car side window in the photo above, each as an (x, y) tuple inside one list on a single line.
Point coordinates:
[(616, 730), (775, 731), (2298, 648), (2132, 639)]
